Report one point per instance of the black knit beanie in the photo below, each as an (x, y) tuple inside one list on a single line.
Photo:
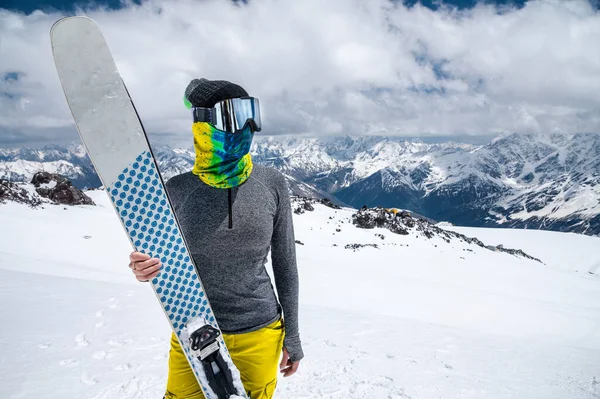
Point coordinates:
[(206, 93)]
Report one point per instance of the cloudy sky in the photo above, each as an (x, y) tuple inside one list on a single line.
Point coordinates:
[(323, 67)]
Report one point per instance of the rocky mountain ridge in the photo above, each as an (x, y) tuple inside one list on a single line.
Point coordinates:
[(517, 180), (43, 188), (397, 222)]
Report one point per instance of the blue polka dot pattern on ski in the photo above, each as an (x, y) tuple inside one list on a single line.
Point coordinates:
[(153, 230)]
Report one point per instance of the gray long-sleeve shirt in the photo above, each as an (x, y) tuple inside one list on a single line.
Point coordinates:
[(229, 233)]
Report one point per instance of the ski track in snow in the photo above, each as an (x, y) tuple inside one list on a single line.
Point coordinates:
[(410, 320)]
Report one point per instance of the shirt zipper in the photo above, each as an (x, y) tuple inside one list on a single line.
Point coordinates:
[(230, 209)]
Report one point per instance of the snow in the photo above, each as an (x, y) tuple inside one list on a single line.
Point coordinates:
[(30, 168), (579, 200), (50, 185), (550, 177), (414, 318), (561, 251), (556, 172)]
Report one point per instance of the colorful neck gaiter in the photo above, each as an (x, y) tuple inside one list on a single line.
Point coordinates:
[(222, 159)]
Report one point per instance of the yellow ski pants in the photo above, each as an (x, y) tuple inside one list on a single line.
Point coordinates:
[(256, 355)]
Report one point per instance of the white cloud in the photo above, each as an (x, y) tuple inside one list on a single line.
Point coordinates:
[(340, 66)]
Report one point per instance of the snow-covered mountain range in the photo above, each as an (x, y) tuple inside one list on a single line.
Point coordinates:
[(517, 180), (18, 165)]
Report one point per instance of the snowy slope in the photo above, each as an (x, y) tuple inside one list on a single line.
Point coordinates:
[(414, 318)]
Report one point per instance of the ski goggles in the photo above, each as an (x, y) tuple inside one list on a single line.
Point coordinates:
[(232, 115)]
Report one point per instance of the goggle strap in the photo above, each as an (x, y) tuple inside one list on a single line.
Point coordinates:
[(203, 115)]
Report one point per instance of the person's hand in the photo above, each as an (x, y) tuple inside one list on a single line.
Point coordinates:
[(144, 267), (287, 367)]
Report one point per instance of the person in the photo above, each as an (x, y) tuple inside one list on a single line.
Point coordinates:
[(232, 213)]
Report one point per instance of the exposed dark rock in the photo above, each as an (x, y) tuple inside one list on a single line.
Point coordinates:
[(10, 191), (327, 202), (409, 221), (59, 189), (367, 218), (303, 205), (364, 221), (355, 247), (400, 222)]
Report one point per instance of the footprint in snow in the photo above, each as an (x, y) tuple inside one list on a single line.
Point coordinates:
[(364, 332), (87, 379), (44, 345), (114, 303), (382, 380), (136, 387), (80, 340), (448, 366), (68, 362), (160, 357), (379, 386), (122, 342), (100, 323), (101, 355), (125, 367), (449, 348)]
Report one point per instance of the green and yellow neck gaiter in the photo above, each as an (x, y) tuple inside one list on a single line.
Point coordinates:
[(222, 159)]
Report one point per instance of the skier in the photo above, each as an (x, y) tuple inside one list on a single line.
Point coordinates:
[(231, 213)]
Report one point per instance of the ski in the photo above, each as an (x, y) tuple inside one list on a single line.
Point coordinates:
[(118, 146)]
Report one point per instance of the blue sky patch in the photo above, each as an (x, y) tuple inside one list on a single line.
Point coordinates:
[(28, 6), (8, 79), (12, 76)]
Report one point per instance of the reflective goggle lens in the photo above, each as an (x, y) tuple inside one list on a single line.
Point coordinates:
[(230, 115)]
